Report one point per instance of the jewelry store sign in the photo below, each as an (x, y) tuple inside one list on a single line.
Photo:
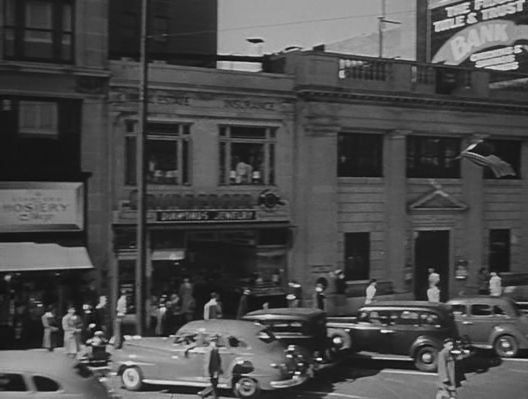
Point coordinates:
[(41, 206)]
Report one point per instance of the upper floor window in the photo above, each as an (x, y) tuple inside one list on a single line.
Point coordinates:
[(359, 155), (167, 154), (433, 157), (509, 151), (40, 30), (38, 119), (247, 155)]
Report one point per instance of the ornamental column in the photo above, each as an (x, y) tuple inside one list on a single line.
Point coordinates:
[(394, 170)]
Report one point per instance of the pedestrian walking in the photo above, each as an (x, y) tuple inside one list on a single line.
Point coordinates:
[(340, 292), (51, 329), (447, 382), (433, 294), (294, 294), (434, 277), (483, 281), (188, 302), (72, 332), (318, 297), (213, 308), (101, 315), (243, 304), (174, 313), (121, 310), (213, 365), (495, 284), (370, 291)]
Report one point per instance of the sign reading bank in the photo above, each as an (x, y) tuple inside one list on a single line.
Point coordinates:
[(480, 33)]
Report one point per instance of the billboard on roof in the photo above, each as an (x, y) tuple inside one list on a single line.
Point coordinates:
[(479, 33)]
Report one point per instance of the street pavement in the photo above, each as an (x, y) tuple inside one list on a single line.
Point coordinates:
[(486, 377)]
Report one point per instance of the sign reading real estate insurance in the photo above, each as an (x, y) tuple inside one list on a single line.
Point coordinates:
[(41, 206), (479, 33)]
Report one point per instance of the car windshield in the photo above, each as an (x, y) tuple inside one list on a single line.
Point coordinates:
[(266, 336)]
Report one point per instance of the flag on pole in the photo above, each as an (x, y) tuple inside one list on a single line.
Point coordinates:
[(481, 154)]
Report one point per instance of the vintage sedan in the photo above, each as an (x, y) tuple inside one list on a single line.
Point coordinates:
[(252, 358), (305, 327), (491, 322), (397, 330), (42, 374)]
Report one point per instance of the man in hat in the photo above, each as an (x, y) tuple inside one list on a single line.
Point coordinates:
[(213, 365)]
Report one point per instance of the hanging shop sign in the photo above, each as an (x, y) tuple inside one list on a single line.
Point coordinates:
[(489, 34), (41, 206)]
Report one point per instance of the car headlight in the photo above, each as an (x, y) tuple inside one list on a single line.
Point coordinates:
[(337, 341)]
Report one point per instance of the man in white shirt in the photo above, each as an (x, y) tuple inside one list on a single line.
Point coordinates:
[(434, 277), (370, 292), (495, 284), (121, 310), (433, 294)]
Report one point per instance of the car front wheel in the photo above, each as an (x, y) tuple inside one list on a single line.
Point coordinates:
[(132, 378), (426, 358), (246, 387), (506, 346)]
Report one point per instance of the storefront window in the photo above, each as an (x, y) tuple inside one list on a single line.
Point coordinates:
[(247, 155), (167, 154)]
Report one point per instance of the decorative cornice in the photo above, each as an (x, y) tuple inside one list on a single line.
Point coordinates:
[(401, 99)]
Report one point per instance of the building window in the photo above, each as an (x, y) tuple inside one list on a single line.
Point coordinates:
[(167, 154), (499, 250), (40, 30), (357, 256), (435, 157), (359, 155), (509, 151), (247, 155), (38, 118)]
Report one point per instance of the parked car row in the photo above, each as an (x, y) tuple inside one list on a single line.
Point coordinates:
[(282, 347)]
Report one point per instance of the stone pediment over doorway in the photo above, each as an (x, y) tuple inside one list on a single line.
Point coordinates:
[(437, 200)]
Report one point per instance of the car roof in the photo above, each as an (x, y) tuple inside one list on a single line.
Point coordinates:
[(36, 361), (223, 325), (406, 304), (290, 313), (480, 298)]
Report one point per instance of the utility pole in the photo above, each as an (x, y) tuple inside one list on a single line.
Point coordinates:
[(381, 24), (141, 238)]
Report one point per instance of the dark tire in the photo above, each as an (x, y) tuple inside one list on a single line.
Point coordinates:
[(246, 387), (506, 346), (132, 378), (426, 358)]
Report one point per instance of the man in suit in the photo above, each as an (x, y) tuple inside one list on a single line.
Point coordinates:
[(213, 365)]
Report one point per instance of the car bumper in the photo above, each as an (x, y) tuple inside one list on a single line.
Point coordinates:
[(292, 382)]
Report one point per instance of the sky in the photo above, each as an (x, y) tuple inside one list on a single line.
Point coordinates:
[(304, 23)]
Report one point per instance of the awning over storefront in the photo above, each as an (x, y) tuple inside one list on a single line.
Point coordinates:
[(168, 254), (30, 256)]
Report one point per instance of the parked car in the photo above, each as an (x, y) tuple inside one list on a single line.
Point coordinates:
[(43, 374), (492, 322), (252, 358), (397, 329), (305, 327)]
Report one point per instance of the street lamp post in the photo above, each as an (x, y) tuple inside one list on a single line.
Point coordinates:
[(141, 238)]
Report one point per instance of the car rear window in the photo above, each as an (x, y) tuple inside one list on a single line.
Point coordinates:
[(481, 310), (11, 382)]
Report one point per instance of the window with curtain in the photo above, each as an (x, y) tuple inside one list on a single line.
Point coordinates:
[(40, 30)]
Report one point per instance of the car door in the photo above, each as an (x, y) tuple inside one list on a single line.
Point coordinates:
[(181, 364), (403, 329), (462, 319), (371, 331), (195, 356), (482, 321)]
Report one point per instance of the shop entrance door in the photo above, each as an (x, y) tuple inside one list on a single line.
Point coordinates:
[(431, 249)]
